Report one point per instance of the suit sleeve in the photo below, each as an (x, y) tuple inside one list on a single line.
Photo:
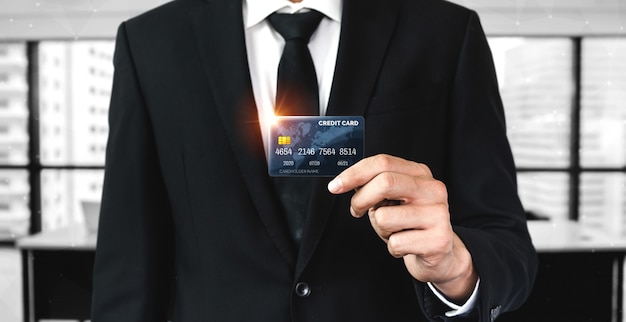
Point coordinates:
[(134, 255), (485, 209)]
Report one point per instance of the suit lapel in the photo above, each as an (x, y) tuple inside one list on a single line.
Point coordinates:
[(367, 26), (218, 27), (366, 29)]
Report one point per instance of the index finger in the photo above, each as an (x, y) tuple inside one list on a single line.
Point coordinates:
[(365, 170)]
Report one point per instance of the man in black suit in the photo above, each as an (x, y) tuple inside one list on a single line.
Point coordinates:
[(190, 221)]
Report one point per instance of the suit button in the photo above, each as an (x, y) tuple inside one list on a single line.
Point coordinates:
[(303, 289)]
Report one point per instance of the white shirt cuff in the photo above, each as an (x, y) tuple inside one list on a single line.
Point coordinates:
[(457, 309)]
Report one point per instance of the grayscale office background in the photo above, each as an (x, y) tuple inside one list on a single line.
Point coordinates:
[(561, 68)]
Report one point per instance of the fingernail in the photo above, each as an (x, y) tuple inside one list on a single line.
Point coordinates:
[(352, 212), (335, 185)]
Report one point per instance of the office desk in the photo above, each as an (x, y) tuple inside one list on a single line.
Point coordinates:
[(580, 275), (580, 278), (57, 274)]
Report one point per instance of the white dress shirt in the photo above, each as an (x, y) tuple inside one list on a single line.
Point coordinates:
[(264, 47)]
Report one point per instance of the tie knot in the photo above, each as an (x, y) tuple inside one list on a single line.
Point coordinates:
[(296, 26)]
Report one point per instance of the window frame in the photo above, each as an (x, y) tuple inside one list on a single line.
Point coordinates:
[(575, 170)]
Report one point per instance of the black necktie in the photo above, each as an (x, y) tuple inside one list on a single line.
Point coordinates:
[(296, 87), (296, 94)]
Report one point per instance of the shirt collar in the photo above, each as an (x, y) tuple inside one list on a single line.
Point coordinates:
[(256, 11)]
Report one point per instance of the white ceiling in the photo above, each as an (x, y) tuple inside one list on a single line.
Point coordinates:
[(80, 19), (550, 17)]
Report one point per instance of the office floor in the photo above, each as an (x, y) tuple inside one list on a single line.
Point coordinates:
[(10, 285)]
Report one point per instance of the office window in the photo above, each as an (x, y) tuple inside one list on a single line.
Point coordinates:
[(545, 194), (14, 204), (537, 84), (71, 159), (64, 192), (603, 134), (48, 164), (13, 104), (566, 119), (603, 201), (14, 141), (73, 90), (603, 103), (563, 98)]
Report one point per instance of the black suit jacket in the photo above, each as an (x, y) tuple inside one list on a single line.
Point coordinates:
[(189, 219)]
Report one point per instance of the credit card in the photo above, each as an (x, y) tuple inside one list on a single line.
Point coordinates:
[(314, 146)]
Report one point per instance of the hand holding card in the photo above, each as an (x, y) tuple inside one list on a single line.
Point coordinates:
[(415, 225)]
